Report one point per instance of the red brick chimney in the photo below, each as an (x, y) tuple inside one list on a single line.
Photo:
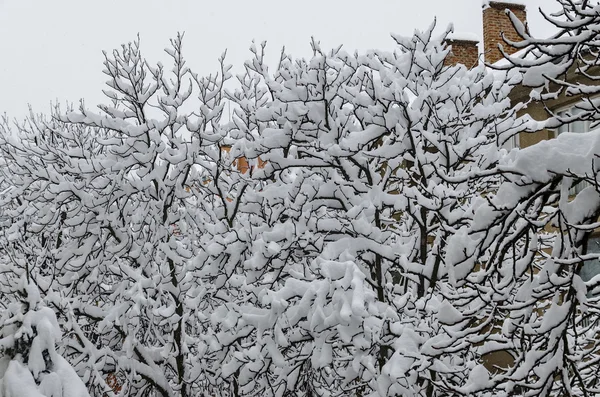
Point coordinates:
[(464, 50), (496, 22)]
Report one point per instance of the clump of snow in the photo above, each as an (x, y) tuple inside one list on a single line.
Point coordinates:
[(479, 378), (463, 36), (486, 3), (448, 314), (570, 152), (30, 365), (524, 53)]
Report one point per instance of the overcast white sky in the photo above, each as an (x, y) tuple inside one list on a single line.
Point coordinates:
[(52, 50)]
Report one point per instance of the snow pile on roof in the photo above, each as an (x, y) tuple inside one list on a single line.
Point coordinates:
[(486, 3), (463, 36)]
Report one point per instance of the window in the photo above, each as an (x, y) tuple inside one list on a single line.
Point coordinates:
[(577, 126), (591, 267), (512, 143), (574, 126)]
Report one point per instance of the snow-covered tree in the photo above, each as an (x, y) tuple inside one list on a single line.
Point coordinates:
[(355, 229), (120, 204), (29, 332), (325, 272), (375, 162), (552, 327)]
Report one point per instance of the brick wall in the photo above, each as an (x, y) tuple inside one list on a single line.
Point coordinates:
[(496, 22), (463, 51)]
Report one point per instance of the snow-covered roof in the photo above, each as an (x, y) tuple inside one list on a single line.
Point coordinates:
[(486, 3), (463, 36)]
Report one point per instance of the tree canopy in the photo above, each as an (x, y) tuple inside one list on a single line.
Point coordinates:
[(355, 227)]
